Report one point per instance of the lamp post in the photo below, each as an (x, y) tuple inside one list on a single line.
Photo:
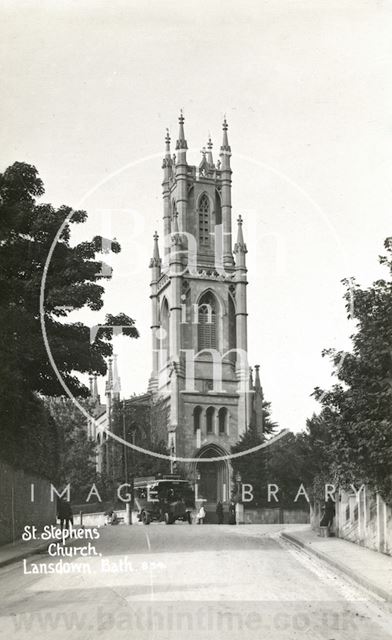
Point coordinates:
[(129, 505), (125, 452), (239, 507)]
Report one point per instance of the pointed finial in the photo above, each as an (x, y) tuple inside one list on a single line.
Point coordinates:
[(167, 142), (225, 148), (240, 246), (110, 372), (257, 377), (116, 377), (167, 161), (155, 260), (209, 154), (95, 388), (176, 238), (181, 142)]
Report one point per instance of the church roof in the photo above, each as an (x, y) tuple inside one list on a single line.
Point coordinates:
[(99, 410)]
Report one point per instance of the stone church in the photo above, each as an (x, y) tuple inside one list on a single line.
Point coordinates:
[(200, 380)]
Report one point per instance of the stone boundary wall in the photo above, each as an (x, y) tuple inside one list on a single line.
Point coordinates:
[(276, 516), (16, 507), (364, 519)]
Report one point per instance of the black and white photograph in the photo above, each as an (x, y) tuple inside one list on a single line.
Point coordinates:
[(196, 320)]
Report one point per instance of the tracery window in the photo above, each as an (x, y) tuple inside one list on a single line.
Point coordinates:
[(204, 220), (207, 322)]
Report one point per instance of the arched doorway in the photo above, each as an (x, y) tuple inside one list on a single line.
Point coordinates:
[(213, 478)]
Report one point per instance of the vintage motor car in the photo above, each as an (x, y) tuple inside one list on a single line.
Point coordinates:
[(166, 498)]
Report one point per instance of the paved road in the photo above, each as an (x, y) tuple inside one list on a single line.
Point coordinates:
[(189, 582)]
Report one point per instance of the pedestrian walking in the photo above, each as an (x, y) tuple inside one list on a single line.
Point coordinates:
[(330, 511), (219, 512), (201, 515), (232, 512), (64, 514), (328, 514)]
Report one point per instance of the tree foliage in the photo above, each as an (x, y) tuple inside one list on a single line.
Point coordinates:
[(253, 466), (75, 278), (357, 410), (133, 420), (77, 453)]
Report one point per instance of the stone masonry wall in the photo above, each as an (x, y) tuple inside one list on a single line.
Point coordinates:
[(16, 507), (364, 519)]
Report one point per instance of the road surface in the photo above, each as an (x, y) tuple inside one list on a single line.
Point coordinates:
[(184, 581)]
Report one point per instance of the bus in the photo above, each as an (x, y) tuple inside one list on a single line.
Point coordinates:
[(163, 499)]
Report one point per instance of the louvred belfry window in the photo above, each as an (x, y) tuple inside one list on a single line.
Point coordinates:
[(207, 321), (204, 220)]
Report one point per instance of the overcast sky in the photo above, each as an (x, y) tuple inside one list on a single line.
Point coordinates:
[(89, 88)]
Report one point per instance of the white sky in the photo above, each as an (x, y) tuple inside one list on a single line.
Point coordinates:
[(88, 89)]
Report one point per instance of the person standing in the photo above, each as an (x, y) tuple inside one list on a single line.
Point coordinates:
[(201, 515), (219, 512), (64, 514), (329, 512), (232, 519)]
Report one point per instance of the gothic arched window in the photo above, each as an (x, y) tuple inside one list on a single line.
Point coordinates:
[(204, 220), (196, 419), (164, 335), (207, 322), (222, 420), (210, 420)]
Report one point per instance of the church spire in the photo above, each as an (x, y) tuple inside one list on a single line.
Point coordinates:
[(181, 142), (109, 382), (258, 402), (116, 378)]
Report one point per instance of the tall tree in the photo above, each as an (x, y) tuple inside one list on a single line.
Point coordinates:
[(134, 420), (77, 453), (75, 280), (359, 407), (253, 466)]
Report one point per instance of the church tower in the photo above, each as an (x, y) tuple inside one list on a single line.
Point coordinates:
[(200, 371)]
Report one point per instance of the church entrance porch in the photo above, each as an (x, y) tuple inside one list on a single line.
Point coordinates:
[(213, 477)]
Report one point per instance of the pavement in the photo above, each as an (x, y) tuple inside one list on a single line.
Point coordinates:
[(177, 581), (15, 551), (367, 568)]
